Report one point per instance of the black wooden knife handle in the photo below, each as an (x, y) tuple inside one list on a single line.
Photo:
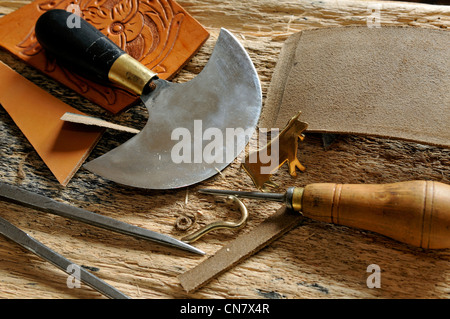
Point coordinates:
[(83, 49)]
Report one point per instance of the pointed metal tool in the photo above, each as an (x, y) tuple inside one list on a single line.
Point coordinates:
[(23, 239), (195, 129), (23, 197)]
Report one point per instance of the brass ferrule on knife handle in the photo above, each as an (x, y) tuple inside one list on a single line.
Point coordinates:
[(414, 212), (130, 74), (91, 54)]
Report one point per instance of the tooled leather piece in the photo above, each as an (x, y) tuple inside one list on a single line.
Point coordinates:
[(389, 82), (62, 146), (240, 248), (159, 34)]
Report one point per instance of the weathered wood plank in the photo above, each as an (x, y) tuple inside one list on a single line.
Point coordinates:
[(315, 260)]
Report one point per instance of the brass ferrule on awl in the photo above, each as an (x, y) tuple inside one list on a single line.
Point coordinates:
[(293, 198)]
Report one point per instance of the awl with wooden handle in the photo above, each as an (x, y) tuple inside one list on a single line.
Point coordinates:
[(413, 212)]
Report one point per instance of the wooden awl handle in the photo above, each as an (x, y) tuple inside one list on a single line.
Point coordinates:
[(414, 212)]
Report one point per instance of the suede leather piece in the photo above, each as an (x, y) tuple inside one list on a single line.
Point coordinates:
[(391, 82), (62, 146)]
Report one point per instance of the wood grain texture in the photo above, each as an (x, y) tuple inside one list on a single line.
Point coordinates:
[(315, 260)]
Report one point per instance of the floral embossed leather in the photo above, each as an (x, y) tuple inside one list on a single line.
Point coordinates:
[(159, 34)]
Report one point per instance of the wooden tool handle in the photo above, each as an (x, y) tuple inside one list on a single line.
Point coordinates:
[(415, 212), (83, 49)]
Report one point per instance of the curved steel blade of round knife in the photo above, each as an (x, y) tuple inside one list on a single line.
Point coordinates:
[(195, 129)]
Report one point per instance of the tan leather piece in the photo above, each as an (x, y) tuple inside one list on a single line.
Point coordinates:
[(391, 82), (62, 146), (159, 34), (239, 249)]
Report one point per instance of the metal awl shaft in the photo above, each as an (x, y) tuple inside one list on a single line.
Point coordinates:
[(291, 198), (23, 239), (17, 195)]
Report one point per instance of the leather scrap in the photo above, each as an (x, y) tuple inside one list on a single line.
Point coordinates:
[(390, 82), (240, 248), (160, 34), (62, 146), (263, 163)]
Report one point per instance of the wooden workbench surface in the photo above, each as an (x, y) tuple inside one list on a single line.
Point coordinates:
[(315, 260)]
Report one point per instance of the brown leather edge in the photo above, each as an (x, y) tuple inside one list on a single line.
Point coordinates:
[(63, 147), (275, 92)]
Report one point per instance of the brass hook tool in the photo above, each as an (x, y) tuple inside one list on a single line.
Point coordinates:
[(23, 197), (413, 212), (220, 224)]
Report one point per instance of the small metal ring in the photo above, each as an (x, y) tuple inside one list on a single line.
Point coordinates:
[(220, 224)]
